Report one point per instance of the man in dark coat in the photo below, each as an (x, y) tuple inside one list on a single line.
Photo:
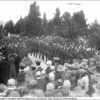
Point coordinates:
[(17, 61), (4, 70)]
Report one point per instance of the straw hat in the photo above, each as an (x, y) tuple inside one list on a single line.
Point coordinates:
[(84, 60), (49, 62), (61, 68), (22, 64)]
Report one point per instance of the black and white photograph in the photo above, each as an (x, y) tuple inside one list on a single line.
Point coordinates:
[(50, 49)]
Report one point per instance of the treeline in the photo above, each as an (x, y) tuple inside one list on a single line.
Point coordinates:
[(65, 25)]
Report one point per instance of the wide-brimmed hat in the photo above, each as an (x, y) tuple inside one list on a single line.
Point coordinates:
[(84, 60), (61, 68), (67, 65), (49, 62), (33, 82), (83, 65), (75, 66), (22, 64)]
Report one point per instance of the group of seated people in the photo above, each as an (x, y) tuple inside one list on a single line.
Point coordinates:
[(79, 79)]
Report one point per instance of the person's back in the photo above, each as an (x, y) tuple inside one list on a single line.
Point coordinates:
[(41, 84), (4, 72), (49, 93), (13, 93)]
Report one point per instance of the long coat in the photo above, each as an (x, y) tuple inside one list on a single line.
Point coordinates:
[(4, 72)]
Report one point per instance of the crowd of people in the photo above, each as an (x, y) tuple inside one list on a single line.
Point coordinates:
[(63, 48), (76, 78), (79, 79)]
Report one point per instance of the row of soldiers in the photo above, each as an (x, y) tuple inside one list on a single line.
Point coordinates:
[(66, 52), (50, 47)]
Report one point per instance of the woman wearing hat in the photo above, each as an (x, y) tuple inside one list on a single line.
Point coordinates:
[(92, 65), (60, 70)]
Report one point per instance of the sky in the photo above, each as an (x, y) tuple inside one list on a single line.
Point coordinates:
[(12, 10)]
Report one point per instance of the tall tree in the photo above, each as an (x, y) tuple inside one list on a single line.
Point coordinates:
[(94, 36), (65, 25), (19, 26), (57, 21), (9, 27), (33, 24), (45, 25), (78, 24)]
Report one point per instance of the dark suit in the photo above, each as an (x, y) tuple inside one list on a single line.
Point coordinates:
[(4, 72)]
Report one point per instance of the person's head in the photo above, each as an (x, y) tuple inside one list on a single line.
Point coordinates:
[(61, 68), (52, 68), (11, 57), (60, 82), (49, 63), (23, 91), (38, 75), (11, 83), (50, 87), (51, 76), (27, 70), (3, 89), (32, 84), (38, 93), (92, 62), (67, 84)]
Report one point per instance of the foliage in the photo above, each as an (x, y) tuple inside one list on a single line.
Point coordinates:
[(9, 27), (94, 36)]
